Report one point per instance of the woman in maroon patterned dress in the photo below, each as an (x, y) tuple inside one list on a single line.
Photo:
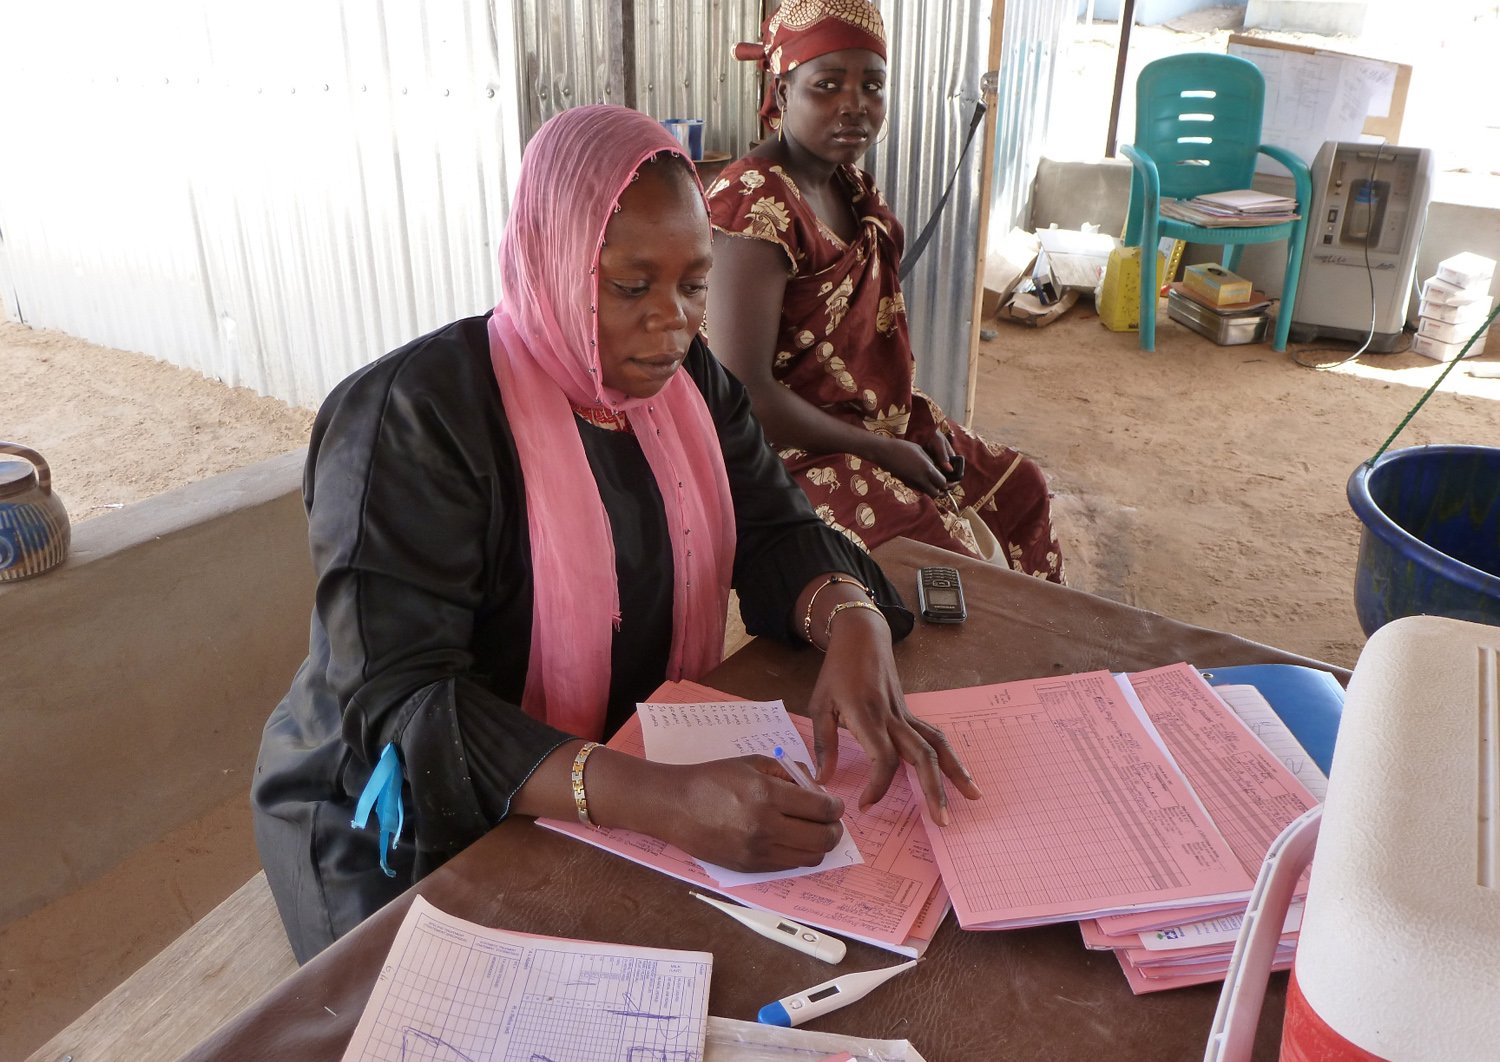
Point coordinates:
[(806, 309)]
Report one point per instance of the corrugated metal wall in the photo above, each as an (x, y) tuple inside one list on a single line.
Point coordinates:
[(938, 50), (275, 194), (685, 67), (568, 53), (272, 193), (1028, 66)]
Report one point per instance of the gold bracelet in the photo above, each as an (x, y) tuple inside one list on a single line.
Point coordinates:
[(828, 631), (580, 799), (807, 619)]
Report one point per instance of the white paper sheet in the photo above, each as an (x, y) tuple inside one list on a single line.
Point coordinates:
[(730, 1040), (1253, 709), (1316, 96), (453, 989), (696, 733)]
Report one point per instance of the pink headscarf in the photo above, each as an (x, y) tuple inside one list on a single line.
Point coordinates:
[(543, 339)]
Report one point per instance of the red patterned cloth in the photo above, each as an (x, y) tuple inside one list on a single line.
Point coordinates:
[(800, 30), (843, 345)]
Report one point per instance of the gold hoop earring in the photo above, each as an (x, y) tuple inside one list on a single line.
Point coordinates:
[(780, 134)]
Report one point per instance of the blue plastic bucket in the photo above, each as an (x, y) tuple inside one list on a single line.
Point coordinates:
[(1431, 540)]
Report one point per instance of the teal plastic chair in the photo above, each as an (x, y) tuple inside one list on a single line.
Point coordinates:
[(1197, 130)]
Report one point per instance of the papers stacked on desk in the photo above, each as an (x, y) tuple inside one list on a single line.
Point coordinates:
[(894, 900), (1141, 803), (1241, 208), (454, 989)]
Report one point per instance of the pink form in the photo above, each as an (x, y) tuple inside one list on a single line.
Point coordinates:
[(894, 901), (1245, 787), (1083, 812), (1248, 791), (1143, 981)]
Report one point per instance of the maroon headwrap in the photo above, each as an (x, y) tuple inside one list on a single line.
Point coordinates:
[(800, 30)]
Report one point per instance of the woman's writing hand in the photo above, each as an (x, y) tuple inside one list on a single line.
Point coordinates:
[(747, 815), (912, 465), (859, 689)]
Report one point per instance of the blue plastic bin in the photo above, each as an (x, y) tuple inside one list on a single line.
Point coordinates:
[(1431, 540)]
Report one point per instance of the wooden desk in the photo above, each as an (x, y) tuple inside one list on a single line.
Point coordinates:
[(1024, 994)]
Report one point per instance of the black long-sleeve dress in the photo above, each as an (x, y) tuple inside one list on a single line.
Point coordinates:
[(422, 620)]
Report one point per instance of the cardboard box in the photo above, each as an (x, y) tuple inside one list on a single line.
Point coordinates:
[(1078, 258), (1440, 351), (1441, 293), (1447, 331), (1004, 266), (1216, 284), (1027, 309), (1466, 269), (1469, 313)]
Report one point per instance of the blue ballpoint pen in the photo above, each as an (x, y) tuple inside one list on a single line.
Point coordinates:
[(798, 772)]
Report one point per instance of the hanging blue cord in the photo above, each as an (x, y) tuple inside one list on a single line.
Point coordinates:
[(383, 793)]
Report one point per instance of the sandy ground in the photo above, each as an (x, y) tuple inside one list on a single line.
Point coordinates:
[(117, 427), (1208, 483), (1203, 482)]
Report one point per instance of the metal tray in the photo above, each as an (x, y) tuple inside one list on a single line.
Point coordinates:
[(1227, 331)]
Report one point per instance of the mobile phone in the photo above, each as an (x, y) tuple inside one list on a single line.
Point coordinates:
[(940, 595), (957, 461)]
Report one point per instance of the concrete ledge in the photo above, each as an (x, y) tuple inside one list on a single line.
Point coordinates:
[(136, 677)]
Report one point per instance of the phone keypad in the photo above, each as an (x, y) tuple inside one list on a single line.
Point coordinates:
[(941, 578)]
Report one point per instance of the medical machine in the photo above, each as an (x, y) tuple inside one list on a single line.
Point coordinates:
[(1369, 205)]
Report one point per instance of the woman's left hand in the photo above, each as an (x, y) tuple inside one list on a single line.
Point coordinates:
[(940, 450), (859, 689)]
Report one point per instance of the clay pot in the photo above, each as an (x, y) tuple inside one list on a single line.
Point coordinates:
[(34, 529)]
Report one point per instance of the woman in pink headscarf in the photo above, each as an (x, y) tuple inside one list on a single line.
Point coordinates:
[(522, 524)]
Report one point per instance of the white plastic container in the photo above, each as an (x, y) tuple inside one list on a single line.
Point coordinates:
[(1399, 954)]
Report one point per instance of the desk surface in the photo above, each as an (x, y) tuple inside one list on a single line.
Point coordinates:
[(1023, 994)]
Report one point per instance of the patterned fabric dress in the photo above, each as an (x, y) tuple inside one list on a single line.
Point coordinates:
[(843, 346)]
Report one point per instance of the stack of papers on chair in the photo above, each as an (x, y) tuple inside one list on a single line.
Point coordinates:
[(1142, 803), (1242, 207)]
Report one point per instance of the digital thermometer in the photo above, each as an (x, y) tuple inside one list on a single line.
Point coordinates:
[(828, 996), (782, 930)]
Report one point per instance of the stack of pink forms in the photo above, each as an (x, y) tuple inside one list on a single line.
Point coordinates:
[(1140, 805)]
